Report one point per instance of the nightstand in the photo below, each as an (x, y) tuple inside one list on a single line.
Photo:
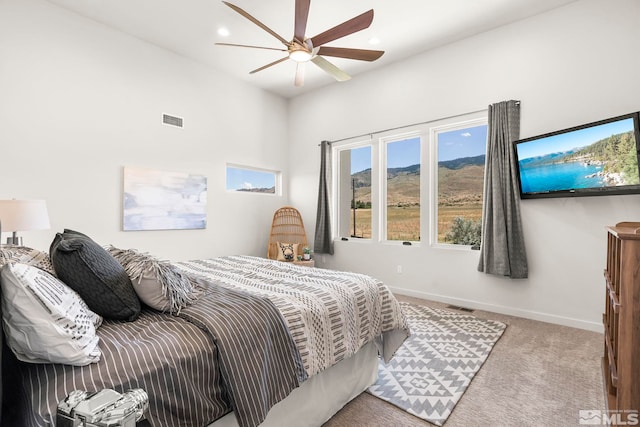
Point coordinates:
[(305, 263)]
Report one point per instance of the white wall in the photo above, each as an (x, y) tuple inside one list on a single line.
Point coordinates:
[(78, 101), (570, 66)]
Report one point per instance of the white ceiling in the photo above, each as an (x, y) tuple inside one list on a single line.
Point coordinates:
[(404, 28)]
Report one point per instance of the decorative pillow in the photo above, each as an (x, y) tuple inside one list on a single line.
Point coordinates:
[(44, 320), (97, 276), (287, 251), (25, 255), (158, 283)]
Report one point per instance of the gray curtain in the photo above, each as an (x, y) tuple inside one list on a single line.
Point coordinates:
[(323, 241), (502, 251)]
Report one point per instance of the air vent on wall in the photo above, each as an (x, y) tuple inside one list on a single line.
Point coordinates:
[(456, 307), (172, 120)]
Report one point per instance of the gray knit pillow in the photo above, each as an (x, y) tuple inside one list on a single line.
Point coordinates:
[(87, 268), (158, 283)]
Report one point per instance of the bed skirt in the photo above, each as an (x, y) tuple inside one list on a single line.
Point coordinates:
[(322, 395)]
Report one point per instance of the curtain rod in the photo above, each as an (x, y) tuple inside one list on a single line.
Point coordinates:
[(405, 126)]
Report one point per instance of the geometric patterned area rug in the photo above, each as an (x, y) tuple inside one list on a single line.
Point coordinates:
[(434, 366)]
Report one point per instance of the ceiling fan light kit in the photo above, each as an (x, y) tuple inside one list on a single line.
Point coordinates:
[(302, 49), (301, 52), (300, 55)]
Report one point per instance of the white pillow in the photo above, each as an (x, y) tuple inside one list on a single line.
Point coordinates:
[(44, 320)]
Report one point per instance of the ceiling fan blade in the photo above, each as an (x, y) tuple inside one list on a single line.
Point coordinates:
[(258, 23), (299, 80), (254, 47), (351, 26), (359, 54), (302, 14), (327, 66), (269, 65)]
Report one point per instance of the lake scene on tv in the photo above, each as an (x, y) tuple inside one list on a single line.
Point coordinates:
[(604, 155)]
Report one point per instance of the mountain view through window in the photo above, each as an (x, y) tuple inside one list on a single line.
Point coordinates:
[(461, 159), (453, 186)]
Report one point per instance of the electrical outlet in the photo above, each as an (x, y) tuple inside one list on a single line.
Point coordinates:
[(399, 269)]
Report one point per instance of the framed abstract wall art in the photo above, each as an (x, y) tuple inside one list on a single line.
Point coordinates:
[(161, 200)]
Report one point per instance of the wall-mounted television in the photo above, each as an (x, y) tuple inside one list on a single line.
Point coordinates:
[(594, 159)]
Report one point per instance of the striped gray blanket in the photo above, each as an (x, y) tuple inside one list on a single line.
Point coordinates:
[(229, 350), (172, 359), (259, 362)]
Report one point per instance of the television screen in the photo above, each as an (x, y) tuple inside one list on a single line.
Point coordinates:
[(594, 159)]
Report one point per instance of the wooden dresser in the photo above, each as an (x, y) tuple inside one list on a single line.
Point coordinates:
[(621, 361)]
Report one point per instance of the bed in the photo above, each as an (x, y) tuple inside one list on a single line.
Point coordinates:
[(262, 342)]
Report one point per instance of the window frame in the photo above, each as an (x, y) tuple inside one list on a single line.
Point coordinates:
[(447, 125), (339, 223), (384, 141), (427, 133)]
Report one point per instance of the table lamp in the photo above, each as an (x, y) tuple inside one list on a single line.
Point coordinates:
[(22, 215)]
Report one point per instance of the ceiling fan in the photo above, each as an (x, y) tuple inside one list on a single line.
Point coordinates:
[(302, 49)]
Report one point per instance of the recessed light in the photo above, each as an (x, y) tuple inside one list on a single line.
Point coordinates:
[(222, 31), (374, 40)]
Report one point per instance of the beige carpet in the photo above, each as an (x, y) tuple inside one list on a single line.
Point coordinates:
[(538, 374)]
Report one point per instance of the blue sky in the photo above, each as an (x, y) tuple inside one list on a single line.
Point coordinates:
[(360, 159), (453, 144), (576, 139), (401, 153), (467, 142), (246, 179)]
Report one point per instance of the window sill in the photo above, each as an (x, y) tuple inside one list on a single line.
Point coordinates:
[(452, 247), (408, 244), (351, 240), (371, 241)]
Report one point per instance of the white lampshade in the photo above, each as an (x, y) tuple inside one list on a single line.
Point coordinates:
[(23, 215)]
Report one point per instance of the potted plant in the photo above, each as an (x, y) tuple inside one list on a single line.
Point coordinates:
[(306, 253)]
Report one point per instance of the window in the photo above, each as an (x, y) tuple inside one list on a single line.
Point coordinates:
[(459, 181), (414, 184), (252, 180), (355, 192), (403, 189)]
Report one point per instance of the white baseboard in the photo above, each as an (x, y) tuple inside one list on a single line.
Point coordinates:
[(527, 314)]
